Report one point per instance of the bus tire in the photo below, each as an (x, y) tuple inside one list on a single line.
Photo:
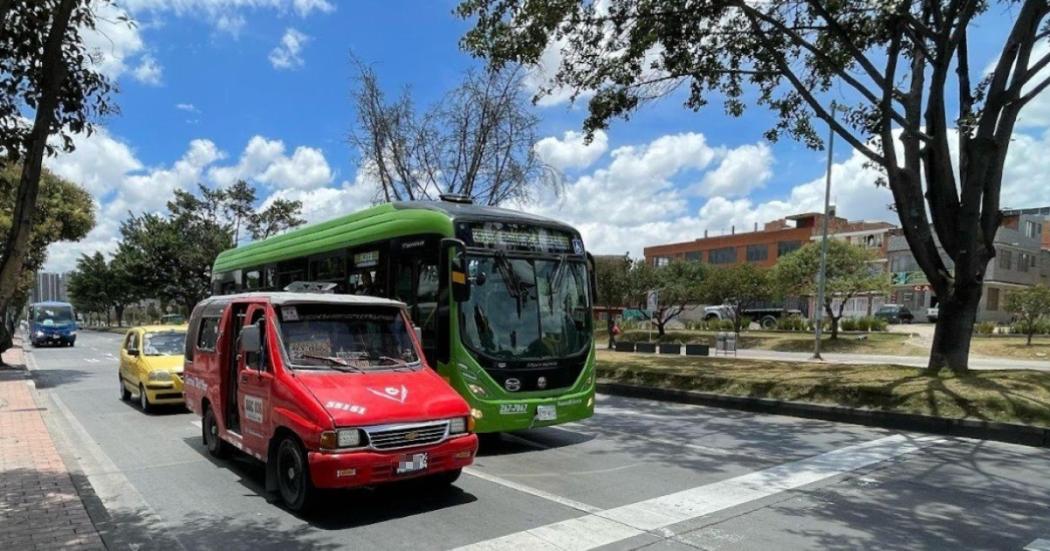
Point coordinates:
[(293, 475), (217, 448)]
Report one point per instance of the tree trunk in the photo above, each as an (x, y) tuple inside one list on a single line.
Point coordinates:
[(834, 327), (120, 315), (54, 73), (1031, 331), (951, 337)]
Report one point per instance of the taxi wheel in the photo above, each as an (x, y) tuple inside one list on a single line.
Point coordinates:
[(293, 475), (125, 394), (210, 433), (144, 399)]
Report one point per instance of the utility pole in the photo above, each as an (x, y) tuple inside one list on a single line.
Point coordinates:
[(822, 276)]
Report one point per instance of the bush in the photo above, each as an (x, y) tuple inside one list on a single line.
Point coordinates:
[(791, 323), (985, 328), (853, 324), (1042, 327), (876, 324)]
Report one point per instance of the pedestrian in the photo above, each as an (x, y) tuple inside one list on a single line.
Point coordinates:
[(614, 330)]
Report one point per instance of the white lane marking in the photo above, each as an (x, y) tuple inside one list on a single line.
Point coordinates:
[(571, 503), (613, 525), (609, 410), (1038, 545), (197, 424), (92, 360)]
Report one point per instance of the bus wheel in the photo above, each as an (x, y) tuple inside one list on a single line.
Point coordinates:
[(293, 475), (144, 400), (125, 394), (217, 448)]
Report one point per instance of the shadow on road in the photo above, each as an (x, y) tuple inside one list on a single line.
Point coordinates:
[(342, 509)]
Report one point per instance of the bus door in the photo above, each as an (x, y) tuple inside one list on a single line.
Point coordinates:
[(254, 379), (414, 268)]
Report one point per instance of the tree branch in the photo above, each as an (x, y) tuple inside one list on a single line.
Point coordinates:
[(869, 67)]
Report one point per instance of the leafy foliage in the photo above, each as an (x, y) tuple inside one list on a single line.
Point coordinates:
[(889, 65), (65, 212), (741, 287), (98, 285), (850, 272), (679, 287), (611, 274), (1030, 305)]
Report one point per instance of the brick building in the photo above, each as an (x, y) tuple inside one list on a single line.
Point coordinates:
[(775, 239)]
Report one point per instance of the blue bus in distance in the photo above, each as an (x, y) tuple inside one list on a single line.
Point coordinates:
[(52, 323)]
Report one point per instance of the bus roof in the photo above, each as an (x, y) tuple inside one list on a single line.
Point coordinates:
[(379, 222), (279, 298)]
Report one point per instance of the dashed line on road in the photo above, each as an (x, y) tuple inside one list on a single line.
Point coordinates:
[(571, 503), (651, 516), (1038, 545)]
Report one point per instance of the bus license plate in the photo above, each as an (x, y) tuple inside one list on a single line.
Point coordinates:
[(412, 463), (546, 413)]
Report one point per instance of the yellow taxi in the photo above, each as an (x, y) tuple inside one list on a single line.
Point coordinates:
[(151, 364)]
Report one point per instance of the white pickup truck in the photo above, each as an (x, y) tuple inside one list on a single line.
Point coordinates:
[(765, 317)]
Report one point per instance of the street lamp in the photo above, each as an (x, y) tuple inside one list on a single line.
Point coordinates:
[(822, 276)]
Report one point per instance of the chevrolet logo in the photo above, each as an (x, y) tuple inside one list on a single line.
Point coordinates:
[(411, 436)]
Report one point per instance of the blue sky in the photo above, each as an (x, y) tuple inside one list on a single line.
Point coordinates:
[(214, 90)]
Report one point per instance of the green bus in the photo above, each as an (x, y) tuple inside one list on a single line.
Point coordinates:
[(501, 299)]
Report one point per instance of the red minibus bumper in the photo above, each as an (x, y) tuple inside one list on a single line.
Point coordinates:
[(368, 467)]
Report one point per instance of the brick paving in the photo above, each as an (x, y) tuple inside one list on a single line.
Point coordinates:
[(39, 506)]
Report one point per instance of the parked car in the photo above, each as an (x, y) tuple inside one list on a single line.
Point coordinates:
[(895, 313), (329, 391), (931, 314), (151, 365)]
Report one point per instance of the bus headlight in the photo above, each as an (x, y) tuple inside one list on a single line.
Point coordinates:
[(38, 333), (159, 376), (477, 390)]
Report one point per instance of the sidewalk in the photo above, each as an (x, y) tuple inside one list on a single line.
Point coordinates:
[(39, 506)]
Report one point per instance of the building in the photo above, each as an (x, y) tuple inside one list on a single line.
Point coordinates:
[(763, 247), (50, 286), (1022, 259)]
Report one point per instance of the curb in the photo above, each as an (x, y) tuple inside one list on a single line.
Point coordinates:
[(981, 430)]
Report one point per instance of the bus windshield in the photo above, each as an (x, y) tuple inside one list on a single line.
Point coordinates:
[(346, 337), (52, 315), (526, 308)]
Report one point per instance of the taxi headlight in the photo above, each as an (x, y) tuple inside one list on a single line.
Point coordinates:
[(459, 425), (159, 376)]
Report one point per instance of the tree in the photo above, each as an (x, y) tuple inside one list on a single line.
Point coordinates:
[(740, 287), (280, 215), (46, 70), (889, 64), (611, 276), (478, 141), (1030, 305), (240, 205), (64, 212), (678, 287), (98, 285), (849, 273)]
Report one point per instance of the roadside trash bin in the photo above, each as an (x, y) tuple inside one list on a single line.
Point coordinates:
[(725, 343), (697, 350), (625, 347), (645, 347), (672, 349)]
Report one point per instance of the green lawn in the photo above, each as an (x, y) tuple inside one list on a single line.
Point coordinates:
[(1016, 396), (854, 343)]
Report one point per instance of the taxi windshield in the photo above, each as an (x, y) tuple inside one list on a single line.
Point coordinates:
[(167, 343), (346, 337)]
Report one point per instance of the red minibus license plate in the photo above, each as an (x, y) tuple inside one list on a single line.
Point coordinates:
[(412, 463)]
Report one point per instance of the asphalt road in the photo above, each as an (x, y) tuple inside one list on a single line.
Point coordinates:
[(638, 475)]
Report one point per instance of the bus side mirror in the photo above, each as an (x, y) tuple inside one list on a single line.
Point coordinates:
[(592, 278), (454, 255)]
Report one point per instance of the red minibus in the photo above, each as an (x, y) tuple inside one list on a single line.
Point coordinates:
[(329, 391)]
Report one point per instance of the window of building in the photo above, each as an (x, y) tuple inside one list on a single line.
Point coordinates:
[(786, 247), (1024, 261), (661, 261), (992, 302), (757, 253), (903, 263), (694, 256), (725, 255), (1005, 259), (1032, 229)]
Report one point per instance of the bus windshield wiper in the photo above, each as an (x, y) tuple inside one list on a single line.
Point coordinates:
[(510, 279), (335, 362), (559, 272)]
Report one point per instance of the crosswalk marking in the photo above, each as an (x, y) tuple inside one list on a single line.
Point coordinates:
[(571, 503), (620, 523)]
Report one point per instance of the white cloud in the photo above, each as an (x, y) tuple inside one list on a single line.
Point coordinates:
[(112, 43), (570, 151), (306, 7), (742, 170), (148, 71), (265, 161), (99, 163), (325, 203), (227, 15), (188, 107), (286, 55)]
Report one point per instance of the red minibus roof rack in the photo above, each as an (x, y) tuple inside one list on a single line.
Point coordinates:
[(327, 287)]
